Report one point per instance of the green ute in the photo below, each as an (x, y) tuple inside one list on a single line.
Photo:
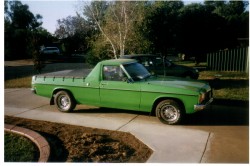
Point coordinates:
[(126, 84)]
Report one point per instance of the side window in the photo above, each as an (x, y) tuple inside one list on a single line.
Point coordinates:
[(113, 73)]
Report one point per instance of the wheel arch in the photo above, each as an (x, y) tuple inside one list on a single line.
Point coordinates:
[(157, 101), (57, 90)]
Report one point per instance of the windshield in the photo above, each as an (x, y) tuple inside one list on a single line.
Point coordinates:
[(136, 71)]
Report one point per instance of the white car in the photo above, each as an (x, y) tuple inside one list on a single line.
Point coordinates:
[(50, 50)]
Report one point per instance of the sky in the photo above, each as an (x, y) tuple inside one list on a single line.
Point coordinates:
[(54, 10)]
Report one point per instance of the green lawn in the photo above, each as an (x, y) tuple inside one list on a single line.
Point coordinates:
[(19, 149), (228, 85), (24, 82)]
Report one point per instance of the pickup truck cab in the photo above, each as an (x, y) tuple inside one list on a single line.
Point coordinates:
[(126, 84)]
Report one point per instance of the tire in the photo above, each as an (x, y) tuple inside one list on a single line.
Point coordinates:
[(169, 112), (64, 101)]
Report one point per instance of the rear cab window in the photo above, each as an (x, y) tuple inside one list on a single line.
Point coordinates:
[(113, 73)]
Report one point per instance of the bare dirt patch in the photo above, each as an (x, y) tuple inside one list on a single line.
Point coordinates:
[(71, 143)]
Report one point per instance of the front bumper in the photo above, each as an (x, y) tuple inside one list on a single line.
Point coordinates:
[(200, 107)]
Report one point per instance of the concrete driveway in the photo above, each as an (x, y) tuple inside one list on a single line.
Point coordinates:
[(171, 144)]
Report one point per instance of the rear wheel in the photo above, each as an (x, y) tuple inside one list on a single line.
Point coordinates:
[(64, 101), (169, 112)]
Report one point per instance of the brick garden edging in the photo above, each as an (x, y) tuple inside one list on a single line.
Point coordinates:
[(40, 141)]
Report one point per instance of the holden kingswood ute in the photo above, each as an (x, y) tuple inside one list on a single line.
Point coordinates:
[(126, 84)]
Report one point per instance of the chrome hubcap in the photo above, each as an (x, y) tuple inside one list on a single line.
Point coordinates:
[(64, 101), (169, 113)]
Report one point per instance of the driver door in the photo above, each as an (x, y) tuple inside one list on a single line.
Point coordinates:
[(116, 91)]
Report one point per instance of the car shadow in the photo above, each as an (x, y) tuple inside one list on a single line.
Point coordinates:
[(220, 113), (108, 111)]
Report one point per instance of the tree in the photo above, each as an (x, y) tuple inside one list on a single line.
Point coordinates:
[(199, 31), (162, 18), (156, 26), (74, 33), (235, 18), (116, 22), (70, 26), (39, 38), (19, 25), (20, 17)]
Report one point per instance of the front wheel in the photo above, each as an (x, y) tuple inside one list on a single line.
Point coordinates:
[(64, 101), (169, 112)]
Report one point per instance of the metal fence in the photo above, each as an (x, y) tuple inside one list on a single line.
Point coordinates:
[(229, 60)]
